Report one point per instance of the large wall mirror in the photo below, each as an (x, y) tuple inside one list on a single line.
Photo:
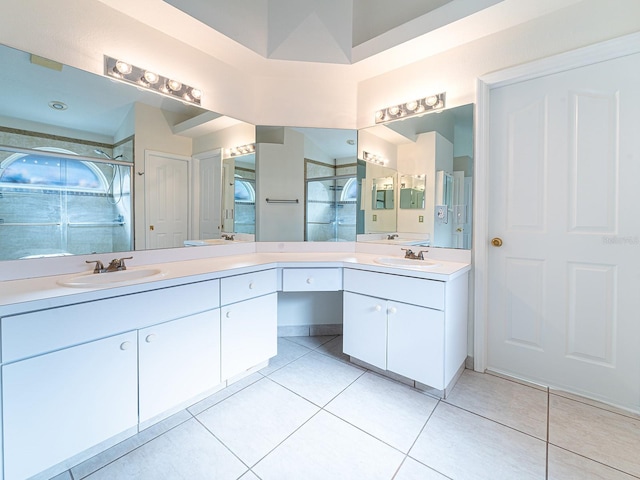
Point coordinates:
[(426, 166), (89, 165)]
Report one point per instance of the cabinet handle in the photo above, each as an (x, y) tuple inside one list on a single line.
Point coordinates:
[(378, 308), (392, 310), (125, 345), (150, 338), (251, 285), (310, 280), (228, 314)]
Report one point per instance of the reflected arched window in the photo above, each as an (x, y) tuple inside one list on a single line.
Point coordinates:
[(244, 191), (44, 171), (350, 191)]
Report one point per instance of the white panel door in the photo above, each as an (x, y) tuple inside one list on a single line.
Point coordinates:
[(167, 193), (365, 328), (249, 334), (178, 360), (564, 288), (210, 187)]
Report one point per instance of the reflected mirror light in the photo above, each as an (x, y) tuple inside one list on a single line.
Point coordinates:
[(430, 158)]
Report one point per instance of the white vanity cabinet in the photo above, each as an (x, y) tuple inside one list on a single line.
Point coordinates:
[(413, 327), (249, 321), (178, 360), (85, 374), (62, 403)]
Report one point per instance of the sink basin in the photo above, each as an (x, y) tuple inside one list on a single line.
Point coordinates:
[(407, 263), (88, 280)]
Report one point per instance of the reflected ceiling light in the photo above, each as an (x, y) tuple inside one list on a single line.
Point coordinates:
[(370, 157), (413, 107), (128, 73), (58, 105), (242, 150)]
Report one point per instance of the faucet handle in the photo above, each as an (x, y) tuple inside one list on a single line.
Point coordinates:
[(408, 253), (99, 268), (421, 254), (121, 264)]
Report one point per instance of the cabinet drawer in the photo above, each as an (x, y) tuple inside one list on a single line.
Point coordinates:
[(311, 279), (415, 291), (30, 334), (248, 285)]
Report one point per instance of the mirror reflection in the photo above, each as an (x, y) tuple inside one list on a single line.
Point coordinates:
[(383, 193), (412, 191), (82, 157), (239, 194), (431, 156)]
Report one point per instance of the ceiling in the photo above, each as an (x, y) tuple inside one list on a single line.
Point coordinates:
[(325, 31)]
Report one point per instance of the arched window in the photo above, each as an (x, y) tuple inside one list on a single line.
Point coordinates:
[(47, 172), (350, 191), (244, 191)]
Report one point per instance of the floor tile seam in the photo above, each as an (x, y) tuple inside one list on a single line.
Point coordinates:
[(428, 466), (295, 393), (224, 445), (287, 364), (521, 382), (227, 397), (595, 461), (283, 440), (369, 434), (603, 408), (494, 421), (130, 450), (398, 382)]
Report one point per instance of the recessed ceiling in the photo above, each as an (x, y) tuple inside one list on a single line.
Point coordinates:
[(326, 31)]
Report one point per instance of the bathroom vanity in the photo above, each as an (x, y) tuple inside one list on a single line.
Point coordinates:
[(85, 368)]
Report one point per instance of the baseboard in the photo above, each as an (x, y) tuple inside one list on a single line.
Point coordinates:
[(310, 330)]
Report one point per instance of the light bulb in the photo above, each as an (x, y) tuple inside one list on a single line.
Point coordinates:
[(151, 77), (432, 100), (394, 110), (412, 106), (123, 68), (174, 85), (195, 93)]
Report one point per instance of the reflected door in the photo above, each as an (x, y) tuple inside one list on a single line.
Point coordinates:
[(166, 199), (563, 287)]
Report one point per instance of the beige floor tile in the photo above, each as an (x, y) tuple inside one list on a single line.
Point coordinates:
[(392, 412), (311, 342), (329, 448), (463, 445), (254, 421), (188, 451), (317, 377), (412, 470), (604, 436), (510, 403), (564, 465)]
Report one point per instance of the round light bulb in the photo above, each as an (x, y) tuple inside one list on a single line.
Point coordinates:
[(123, 68), (195, 93), (394, 110), (432, 100), (151, 77), (412, 106), (174, 85)]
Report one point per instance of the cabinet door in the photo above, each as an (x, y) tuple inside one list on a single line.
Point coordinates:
[(365, 329), (59, 404), (249, 334), (415, 343), (178, 360)]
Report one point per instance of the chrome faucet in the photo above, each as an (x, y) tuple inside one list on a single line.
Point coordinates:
[(412, 255), (227, 237), (392, 236), (116, 265)]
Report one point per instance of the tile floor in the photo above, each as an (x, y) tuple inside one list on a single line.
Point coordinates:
[(312, 415)]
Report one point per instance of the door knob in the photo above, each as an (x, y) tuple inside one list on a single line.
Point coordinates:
[(151, 227), (496, 242)]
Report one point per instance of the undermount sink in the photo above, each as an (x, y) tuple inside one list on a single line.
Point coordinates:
[(406, 262), (88, 280)]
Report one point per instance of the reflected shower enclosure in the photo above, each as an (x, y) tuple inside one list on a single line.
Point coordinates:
[(331, 194), (52, 204)]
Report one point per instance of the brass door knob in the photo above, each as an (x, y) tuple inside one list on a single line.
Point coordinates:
[(496, 242)]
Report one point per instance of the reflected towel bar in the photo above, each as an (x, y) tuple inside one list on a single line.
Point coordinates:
[(273, 200)]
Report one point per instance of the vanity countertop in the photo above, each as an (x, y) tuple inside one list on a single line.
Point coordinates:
[(47, 292)]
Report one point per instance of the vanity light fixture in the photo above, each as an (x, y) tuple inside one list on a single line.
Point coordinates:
[(413, 107), (128, 73), (242, 150), (370, 157)]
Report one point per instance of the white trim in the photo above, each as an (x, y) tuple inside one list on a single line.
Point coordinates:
[(608, 50)]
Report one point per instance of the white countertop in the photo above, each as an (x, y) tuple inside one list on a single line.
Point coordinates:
[(46, 292)]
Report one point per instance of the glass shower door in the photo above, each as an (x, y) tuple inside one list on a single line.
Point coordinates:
[(330, 209)]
